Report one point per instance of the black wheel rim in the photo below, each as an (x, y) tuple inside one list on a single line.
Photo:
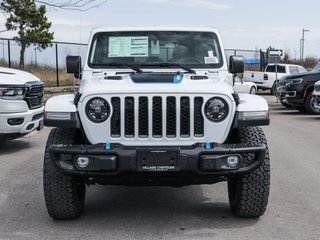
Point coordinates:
[(313, 107)]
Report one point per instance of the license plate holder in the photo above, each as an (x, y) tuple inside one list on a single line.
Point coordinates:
[(158, 160)]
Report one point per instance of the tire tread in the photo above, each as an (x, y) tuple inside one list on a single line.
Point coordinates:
[(251, 191), (64, 194)]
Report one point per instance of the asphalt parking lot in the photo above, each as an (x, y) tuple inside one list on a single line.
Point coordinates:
[(196, 212)]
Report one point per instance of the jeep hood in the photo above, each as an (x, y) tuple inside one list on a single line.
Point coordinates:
[(184, 85), (10, 76)]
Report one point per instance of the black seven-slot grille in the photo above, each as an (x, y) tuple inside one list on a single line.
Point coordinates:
[(157, 117), (34, 96)]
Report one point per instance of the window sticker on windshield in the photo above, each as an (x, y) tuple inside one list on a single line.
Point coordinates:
[(211, 59), (128, 46), (155, 47)]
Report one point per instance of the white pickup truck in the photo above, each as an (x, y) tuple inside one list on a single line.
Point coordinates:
[(21, 107), (267, 79)]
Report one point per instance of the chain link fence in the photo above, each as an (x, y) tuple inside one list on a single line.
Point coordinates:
[(50, 64)]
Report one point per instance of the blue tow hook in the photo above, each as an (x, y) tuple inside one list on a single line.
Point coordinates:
[(108, 145)]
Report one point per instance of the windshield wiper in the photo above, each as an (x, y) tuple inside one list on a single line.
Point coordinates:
[(131, 66), (166, 64)]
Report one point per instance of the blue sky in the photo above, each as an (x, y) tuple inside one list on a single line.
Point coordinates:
[(245, 24)]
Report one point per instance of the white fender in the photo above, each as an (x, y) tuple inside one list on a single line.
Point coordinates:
[(252, 103), (61, 103)]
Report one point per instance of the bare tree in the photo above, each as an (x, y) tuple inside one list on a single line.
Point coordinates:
[(80, 5)]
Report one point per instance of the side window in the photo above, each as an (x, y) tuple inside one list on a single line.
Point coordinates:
[(317, 67), (293, 70), (272, 68), (281, 69), (301, 70)]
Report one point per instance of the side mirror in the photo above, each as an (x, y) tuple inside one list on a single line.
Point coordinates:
[(236, 64), (74, 65)]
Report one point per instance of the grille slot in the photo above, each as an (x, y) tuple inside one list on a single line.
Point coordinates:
[(185, 117), (198, 118), (116, 118), (143, 117), (129, 117), (157, 117), (171, 117), (34, 96)]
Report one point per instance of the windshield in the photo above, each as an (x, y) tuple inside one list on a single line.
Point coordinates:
[(155, 48), (317, 67)]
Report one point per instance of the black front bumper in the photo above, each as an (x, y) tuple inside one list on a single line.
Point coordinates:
[(292, 95), (292, 98), (120, 162)]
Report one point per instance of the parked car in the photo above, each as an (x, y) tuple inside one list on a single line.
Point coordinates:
[(149, 113), (267, 79), (244, 87), (316, 96), (296, 91), (21, 107)]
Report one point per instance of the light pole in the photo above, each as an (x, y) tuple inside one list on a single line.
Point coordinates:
[(302, 43)]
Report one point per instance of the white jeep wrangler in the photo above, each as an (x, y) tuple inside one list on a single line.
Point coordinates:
[(156, 106), (21, 107)]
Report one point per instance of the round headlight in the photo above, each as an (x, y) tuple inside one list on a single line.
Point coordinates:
[(216, 109), (98, 110)]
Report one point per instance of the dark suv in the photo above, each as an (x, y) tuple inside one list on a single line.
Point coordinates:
[(296, 90)]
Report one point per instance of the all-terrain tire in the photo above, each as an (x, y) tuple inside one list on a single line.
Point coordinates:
[(309, 105), (64, 194), (249, 193)]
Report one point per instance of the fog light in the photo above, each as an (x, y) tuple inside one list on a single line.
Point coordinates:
[(15, 121), (30, 126), (82, 162), (233, 161)]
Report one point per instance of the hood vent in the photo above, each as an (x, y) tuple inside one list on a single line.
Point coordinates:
[(155, 78), (113, 78), (199, 77), (8, 73)]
